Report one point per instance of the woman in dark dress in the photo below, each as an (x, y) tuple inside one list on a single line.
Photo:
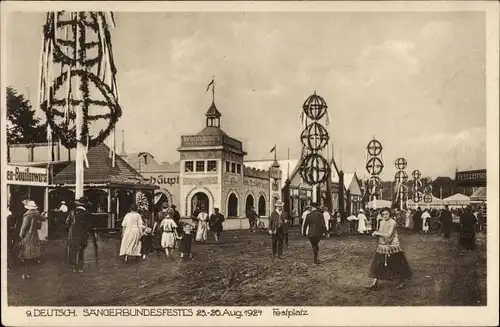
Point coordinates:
[(389, 262)]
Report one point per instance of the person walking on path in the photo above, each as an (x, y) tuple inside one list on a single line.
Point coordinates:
[(186, 237), (201, 233), (252, 219), (468, 230), (176, 216), (29, 245), (389, 262), (426, 220), (417, 220), (277, 229), (362, 221), (446, 221), (169, 229), (314, 227), (132, 232), (215, 224), (80, 227), (327, 217)]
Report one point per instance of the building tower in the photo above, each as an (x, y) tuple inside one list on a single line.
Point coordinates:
[(211, 169)]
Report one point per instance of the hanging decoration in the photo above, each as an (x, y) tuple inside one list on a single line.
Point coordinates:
[(78, 71), (428, 193), (374, 166), (314, 168), (401, 177)]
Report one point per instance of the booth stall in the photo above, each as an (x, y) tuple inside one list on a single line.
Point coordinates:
[(457, 201)]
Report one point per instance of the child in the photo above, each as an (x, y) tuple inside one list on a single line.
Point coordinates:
[(186, 240), (146, 242)]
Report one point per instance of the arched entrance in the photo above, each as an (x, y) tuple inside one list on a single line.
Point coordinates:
[(232, 206), (249, 202), (262, 206), (198, 201)]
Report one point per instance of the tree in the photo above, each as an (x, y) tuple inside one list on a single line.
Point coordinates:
[(22, 124)]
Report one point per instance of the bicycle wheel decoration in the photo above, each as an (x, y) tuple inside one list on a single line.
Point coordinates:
[(314, 168), (374, 165), (78, 73)]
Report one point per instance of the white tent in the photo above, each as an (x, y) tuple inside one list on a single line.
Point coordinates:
[(379, 204), (457, 200), (435, 203)]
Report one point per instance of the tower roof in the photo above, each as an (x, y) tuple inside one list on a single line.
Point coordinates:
[(212, 112)]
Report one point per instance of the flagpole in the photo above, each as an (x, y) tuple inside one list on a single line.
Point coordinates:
[(213, 89), (275, 150), (288, 168), (79, 119)]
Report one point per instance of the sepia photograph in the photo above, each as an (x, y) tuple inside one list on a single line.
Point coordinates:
[(290, 159)]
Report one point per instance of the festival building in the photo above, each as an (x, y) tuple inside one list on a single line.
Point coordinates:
[(212, 172)]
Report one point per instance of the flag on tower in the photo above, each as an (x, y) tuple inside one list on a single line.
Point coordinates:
[(210, 84), (273, 149)]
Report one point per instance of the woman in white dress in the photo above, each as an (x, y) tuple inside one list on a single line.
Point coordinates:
[(131, 234), (426, 217), (362, 222), (201, 233), (169, 232)]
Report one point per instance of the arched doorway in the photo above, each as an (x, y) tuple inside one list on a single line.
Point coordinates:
[(198, 201), (262, 206), (249, 202), (232, 206)]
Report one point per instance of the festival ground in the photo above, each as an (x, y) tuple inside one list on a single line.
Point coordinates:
[(240, 271)]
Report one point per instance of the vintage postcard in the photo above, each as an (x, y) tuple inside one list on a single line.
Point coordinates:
[(250, 163)]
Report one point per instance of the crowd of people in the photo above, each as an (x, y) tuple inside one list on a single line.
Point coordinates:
[(166, 232)]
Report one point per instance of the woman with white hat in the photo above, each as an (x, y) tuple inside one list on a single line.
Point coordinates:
[(29, 246)]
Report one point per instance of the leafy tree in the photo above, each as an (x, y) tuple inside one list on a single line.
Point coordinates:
[(22, 124)]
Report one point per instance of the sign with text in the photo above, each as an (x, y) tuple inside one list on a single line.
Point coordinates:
[(471, 177), (29, 176)]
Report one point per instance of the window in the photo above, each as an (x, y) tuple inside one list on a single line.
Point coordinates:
[(238, 168), (228, 166), (211, 165), (188, 166), (233, 167), (200, 165)]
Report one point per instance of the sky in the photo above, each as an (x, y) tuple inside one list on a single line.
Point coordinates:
[(414, 81)]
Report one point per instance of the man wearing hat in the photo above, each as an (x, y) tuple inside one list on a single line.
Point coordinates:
[(80, 226), (314, 227), (278, 229), (215, 223)]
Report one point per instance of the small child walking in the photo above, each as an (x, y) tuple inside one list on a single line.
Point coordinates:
[(186, 240), (146, 242)]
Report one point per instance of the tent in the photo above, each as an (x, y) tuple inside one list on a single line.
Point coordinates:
[(457, 200), (435, 203), (479, 195), (379, 204)]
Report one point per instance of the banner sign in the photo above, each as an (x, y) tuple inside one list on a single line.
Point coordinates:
[(471, 177), (29, 176)]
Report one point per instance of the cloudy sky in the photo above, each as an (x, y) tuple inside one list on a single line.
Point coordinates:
[(415, 81)]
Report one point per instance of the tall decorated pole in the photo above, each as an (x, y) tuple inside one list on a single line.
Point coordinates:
[(417, 186), (78, 90), (374, 166), (314, 168), (400, 178)]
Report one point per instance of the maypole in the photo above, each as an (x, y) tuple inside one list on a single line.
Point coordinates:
[(400, 178), (374, 166), (417, 185), (81, 102), (314, 168)]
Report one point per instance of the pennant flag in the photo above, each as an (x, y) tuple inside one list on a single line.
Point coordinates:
[(210, 84), (273, 149)]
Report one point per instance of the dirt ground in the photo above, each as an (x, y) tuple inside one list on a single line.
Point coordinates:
[(241, 271)]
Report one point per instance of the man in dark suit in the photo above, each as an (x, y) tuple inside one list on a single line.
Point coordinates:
[(316, 224), (446, 221), (278, 229)]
